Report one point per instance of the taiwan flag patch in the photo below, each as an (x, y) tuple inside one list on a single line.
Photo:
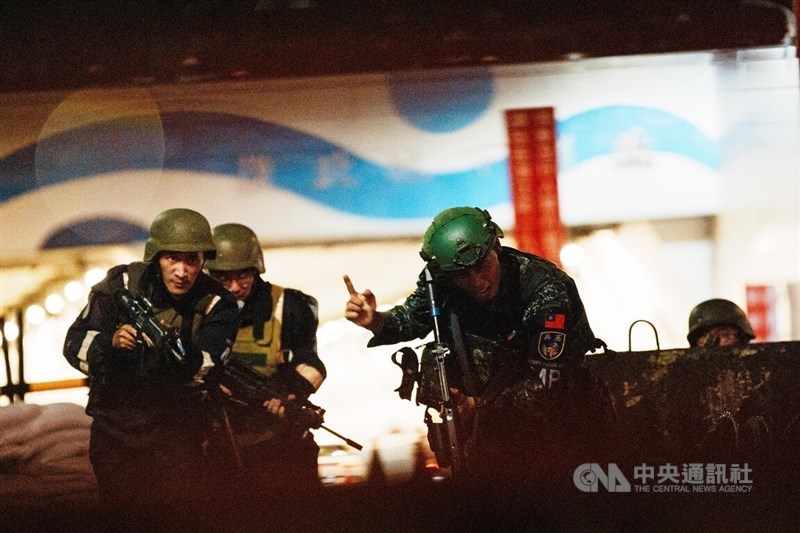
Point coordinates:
[(554, 320)]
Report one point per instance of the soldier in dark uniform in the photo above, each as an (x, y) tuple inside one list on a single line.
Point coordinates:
[(277, 340), (524, 333), (719, 322), (148, 406)]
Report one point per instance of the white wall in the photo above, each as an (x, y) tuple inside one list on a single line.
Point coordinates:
[(758, 233)]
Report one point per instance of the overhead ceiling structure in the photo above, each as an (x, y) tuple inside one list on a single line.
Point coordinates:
[(69, 44)]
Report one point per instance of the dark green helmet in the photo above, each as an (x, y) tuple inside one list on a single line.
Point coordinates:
[(179, 230), (458, 238), (237, 249), (717, 312)]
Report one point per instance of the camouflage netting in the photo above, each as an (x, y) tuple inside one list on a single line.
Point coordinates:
[(701, 404)]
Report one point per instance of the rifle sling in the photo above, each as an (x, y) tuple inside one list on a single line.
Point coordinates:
[(460, 352)]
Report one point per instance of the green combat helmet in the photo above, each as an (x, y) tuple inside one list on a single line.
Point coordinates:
[(179, 230), (717, 312), (458, 238), (237, 249)]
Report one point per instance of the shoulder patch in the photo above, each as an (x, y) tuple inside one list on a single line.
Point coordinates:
[(551, 344)]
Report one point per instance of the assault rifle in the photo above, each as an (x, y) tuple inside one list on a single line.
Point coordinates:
[(164, 338), (251, 388), (447, 436)]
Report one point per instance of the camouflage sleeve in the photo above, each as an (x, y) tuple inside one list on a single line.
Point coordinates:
[(556, 326), (408, 321)]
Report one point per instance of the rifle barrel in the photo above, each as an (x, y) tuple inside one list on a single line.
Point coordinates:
[(351, 442)]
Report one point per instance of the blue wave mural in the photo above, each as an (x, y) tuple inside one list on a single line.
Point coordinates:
[(221, 143), (316, 169), (595, 133)]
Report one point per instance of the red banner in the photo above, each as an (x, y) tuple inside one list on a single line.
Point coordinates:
[(761, 312), (534, 181)]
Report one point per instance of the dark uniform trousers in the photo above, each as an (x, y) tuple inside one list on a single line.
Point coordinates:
[(159, 486)]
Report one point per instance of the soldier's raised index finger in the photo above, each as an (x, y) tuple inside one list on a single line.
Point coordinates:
[(349, 285)]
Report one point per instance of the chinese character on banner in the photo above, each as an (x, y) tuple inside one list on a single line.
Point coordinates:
[(534, 181), (761, 312)]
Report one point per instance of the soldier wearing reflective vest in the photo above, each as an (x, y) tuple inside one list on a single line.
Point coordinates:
[(277, 339), (148, 406), (517, 333)]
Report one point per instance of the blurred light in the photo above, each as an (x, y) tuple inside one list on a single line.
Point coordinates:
[(96, 69), (35, 314), (11, 331), (190, 61), (571, 254), (73, 291), (94, 275), (54, 304), (331, 331)]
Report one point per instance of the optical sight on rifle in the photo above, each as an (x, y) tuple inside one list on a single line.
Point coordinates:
[(144, 320)]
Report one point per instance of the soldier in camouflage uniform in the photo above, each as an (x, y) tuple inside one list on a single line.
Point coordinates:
[(518, 333)]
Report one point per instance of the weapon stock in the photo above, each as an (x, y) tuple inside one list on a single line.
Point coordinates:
[(251, 388), (144, 320)]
